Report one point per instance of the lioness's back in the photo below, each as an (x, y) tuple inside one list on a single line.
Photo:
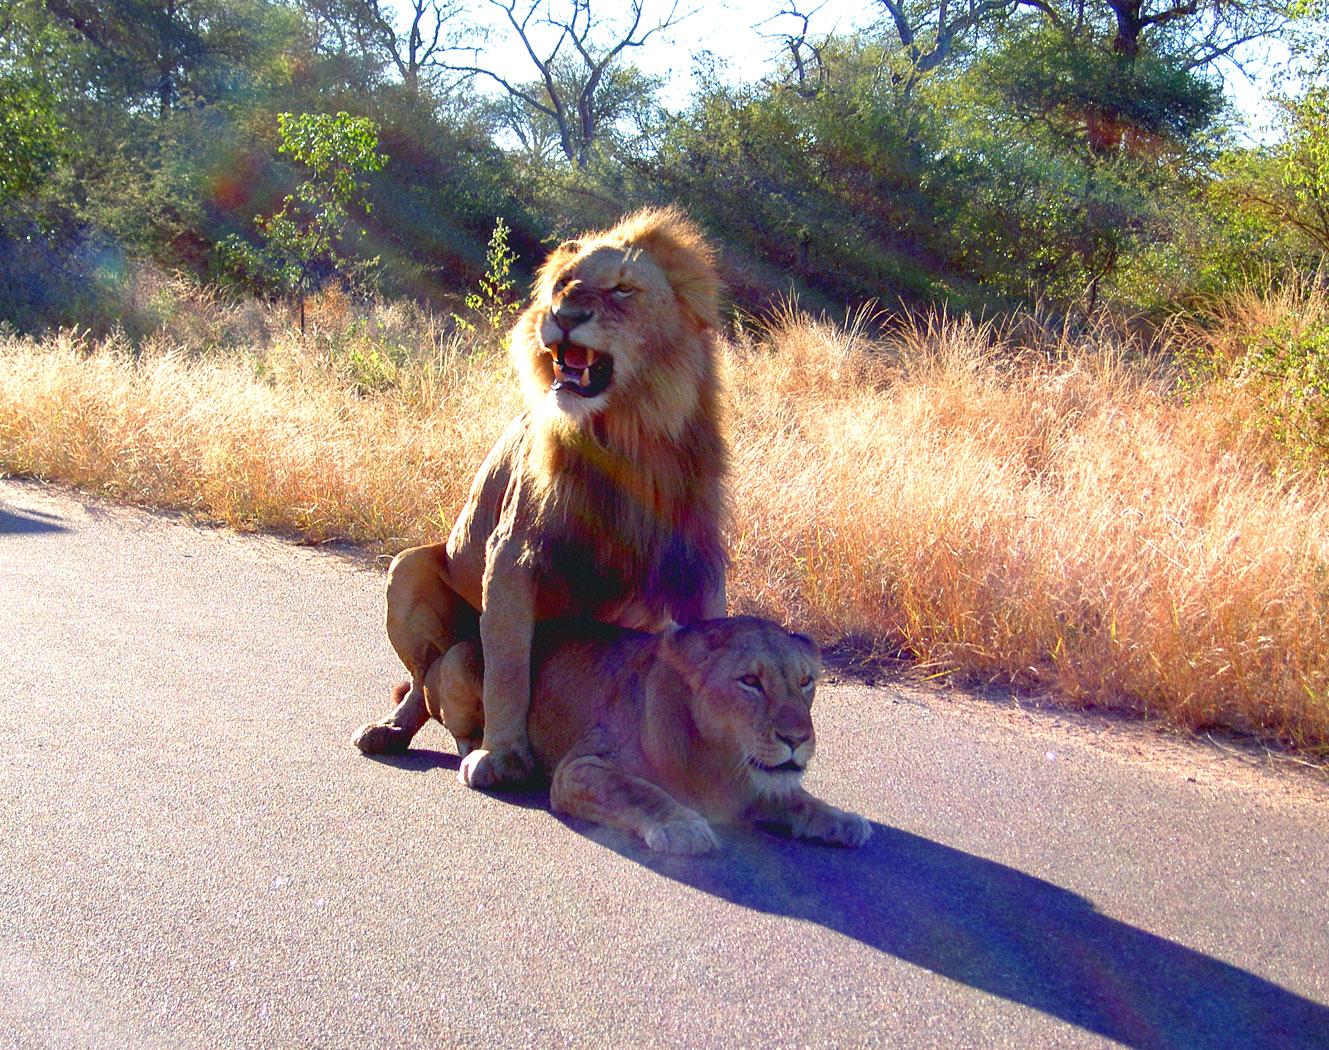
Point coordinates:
[(580, 669)]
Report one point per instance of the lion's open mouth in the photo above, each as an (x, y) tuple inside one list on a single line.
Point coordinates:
[(581, 370)]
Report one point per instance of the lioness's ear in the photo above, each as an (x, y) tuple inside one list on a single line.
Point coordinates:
[(810, 649), (683, 648), (569, 248)]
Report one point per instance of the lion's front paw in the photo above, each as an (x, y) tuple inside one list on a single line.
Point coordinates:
[(690, 837), (837, 827), (490, 769), (381, 738)]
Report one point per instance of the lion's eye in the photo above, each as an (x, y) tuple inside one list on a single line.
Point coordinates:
[(623, 290), (751, 681)]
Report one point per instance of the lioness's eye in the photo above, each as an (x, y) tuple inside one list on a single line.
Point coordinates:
[(751, 681), (623, 289)]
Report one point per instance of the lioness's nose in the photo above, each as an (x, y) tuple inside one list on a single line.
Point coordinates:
[(795, 739), (568, 316)]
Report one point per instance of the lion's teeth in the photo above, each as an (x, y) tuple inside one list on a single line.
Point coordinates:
[(585, 377), (590, 357)]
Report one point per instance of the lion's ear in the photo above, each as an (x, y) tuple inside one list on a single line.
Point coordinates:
[(554, 261)]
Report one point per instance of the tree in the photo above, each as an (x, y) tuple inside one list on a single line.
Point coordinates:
[(575, 72), (1288, 182), (31, 131), (304, 243), (1212, 30), (168, 51), (928, 31), (1078, 160), (623, 112), (806, 67), (413, 38), (1070, 86), (1202, 33), (825, 192)]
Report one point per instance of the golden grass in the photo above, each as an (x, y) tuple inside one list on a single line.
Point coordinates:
[(1009, 504), (1054, 520), (286, 437)]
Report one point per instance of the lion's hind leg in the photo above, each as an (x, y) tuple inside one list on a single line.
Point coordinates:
[(392, 735), (425, 617), (592, 788), (453, 689)]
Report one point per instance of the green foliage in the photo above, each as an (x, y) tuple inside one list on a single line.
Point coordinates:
[(997, 156), (1077, 163), (1274, 347), (1273, 199), (1074, 87), (1303, 165), (829, 191), (494, 302), (1288, 373), (304, 242), (30, 135)]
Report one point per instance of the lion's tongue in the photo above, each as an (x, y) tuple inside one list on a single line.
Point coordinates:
[(575, 358)]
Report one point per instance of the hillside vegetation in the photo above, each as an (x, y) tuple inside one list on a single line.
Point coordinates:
[(976, 158)]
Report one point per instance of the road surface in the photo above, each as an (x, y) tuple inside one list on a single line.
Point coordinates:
[(195, 856)]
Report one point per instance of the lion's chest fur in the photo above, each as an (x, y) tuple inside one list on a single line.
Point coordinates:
[(604, 536)]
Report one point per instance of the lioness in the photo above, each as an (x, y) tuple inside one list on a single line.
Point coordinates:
[(660, 734), (603, 499)]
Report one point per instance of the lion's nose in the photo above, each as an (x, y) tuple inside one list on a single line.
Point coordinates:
[(568, 317), (794, 740)]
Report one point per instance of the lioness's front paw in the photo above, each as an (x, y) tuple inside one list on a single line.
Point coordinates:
[(689, 837), (838, 828), (488, 769), (380, 738)]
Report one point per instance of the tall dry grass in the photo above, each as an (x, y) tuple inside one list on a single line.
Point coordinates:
[(1016, 503), (1054, 515), (367, 427)]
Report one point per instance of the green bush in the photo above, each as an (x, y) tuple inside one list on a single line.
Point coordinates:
[(1288, 373)]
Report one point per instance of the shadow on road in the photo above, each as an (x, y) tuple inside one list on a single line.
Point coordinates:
[(999, 930), (419, 760), (532, 794), (14, 523)]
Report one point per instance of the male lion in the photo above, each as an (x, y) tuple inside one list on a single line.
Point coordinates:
[(659, 734), (602, 500)]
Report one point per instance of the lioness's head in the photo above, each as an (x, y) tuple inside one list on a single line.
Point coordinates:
[(622, 319), (751, 686)]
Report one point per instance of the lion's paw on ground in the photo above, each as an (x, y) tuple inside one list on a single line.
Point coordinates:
[(838, 828), (490, 769), (380, 738), (686, 837)]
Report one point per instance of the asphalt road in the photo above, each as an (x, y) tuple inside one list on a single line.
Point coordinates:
[(195, 856)]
